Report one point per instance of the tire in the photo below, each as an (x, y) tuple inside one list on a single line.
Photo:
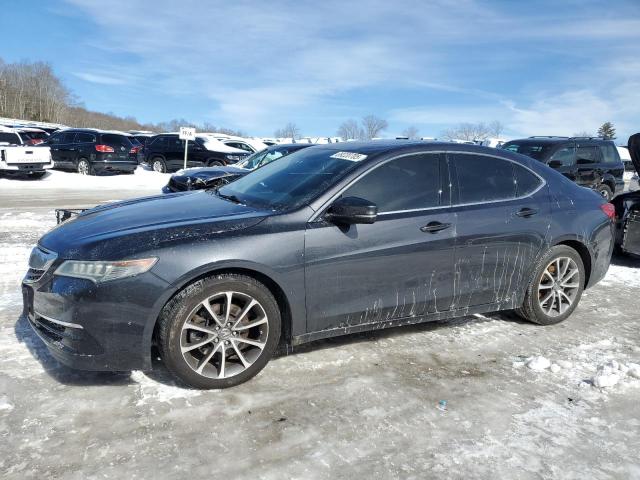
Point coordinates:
[(84, 167), (605, 191), (214, 163), (207, 356), (534, 309), (158, 165)]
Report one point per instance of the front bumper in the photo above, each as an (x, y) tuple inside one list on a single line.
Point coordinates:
[(92, 326)]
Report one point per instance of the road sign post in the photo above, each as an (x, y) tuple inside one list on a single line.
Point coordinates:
[(186, 134)]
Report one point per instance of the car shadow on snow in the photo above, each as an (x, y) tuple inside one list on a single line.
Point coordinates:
[(59, 372), (625, 260), (68, 376)]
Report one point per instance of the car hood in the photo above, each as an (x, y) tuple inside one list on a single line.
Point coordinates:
[(119, 230), (634, 150)]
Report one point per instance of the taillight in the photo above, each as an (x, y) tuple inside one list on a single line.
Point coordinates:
[(104, 148), (135, 150), (609, 210)]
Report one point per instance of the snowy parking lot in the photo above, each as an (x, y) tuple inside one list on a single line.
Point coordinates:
[(522, 401)]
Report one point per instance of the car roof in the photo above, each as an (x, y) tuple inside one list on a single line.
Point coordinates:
[(553, 139)]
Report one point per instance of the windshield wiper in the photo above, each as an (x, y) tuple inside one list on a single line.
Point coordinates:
[(231, 198)]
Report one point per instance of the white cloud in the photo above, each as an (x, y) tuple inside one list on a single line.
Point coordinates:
[(100, 78), (261, 63)]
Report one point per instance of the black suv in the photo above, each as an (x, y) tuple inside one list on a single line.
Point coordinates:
[(91, 151), (589, 161), (165, 153)]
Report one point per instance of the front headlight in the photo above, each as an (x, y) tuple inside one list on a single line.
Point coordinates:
[(234, 158), (105, 271)]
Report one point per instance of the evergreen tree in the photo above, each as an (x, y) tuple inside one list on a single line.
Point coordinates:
[(607, 131)]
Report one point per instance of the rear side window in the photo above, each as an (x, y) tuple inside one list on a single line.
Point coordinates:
[(587, 154), (609, 153), (85, 138), (406, 183), (68, 137), (159, 142), (36, 135), (526, 181), (11, 138), (564, 157), (115, 140), (483, 179), (532, 149)]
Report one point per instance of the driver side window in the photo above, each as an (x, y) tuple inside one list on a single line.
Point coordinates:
[(407, 183)]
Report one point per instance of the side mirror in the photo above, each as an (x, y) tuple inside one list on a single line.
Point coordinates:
[(352, 210), (555, 163)]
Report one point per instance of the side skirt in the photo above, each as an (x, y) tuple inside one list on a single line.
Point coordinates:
[(433, 317)]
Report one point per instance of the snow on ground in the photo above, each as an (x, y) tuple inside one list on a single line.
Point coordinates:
[(143, 177), (364, 405)]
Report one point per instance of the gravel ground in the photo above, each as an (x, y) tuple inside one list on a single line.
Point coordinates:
[(352, 407)]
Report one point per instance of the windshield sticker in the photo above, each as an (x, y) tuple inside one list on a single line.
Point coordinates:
[(351, 156)]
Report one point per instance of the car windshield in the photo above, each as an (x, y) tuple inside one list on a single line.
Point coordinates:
[(537, 150), (252, 161), (293, 180)]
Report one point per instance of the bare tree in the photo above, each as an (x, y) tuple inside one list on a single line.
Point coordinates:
[(372, 126), (495, 129), (583, 133), (470, 131), (350, 130), (290, 130), (410, 132)]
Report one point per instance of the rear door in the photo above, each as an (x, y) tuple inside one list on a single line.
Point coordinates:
[(64, 150), (398, 267), (85, 147), (588, 161), (612, 167), (563, 160), (502, 211)]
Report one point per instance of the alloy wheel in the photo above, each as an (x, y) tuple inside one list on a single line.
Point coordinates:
[(224, 335), (158, 166), (83, 167), (559, 286)]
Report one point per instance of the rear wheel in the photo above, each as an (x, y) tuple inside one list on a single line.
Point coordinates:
[(219, 332), (84, 167), (605, 191), (158, 165), (556, 287)]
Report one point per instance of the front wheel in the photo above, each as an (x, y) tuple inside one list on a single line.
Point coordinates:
[(214, 163), (556, 287), (219, 332)]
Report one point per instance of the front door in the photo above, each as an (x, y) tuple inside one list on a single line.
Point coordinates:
[(398, 267)]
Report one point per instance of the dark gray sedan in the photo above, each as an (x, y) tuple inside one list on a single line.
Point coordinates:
[(326, 241)]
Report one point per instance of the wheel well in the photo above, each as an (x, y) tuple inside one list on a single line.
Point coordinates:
[(584, 255), (272, 286)]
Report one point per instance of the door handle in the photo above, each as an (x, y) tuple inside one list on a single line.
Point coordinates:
[(434, 227), (526, 212)]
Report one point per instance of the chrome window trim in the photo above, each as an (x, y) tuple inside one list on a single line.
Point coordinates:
[(543, 182), (60, 322)]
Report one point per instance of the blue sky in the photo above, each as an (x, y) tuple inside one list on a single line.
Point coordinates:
[(538, 67)]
